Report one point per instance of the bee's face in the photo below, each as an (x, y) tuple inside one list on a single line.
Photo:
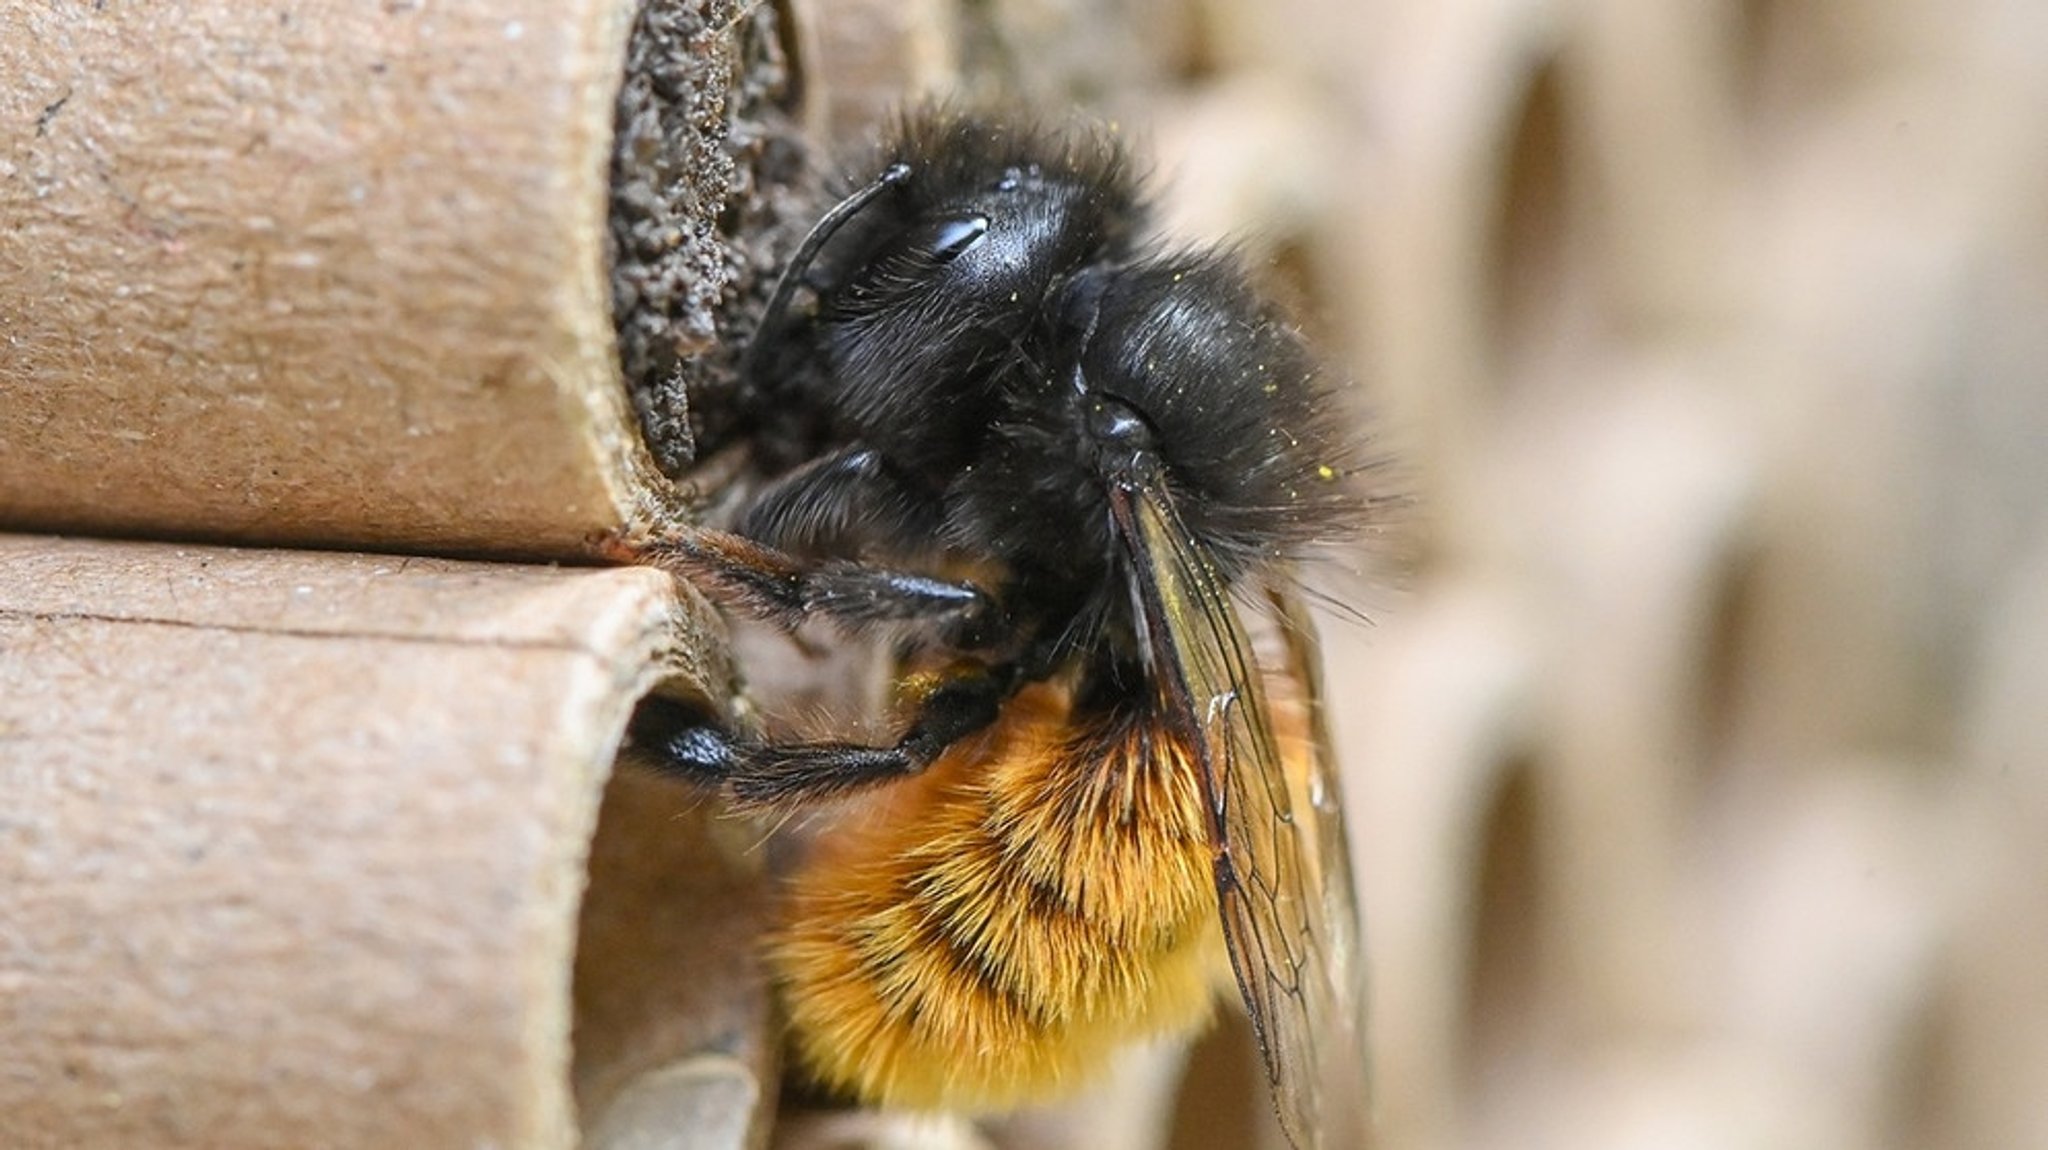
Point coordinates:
[(977, 236), (1000, 242), (945, 278)]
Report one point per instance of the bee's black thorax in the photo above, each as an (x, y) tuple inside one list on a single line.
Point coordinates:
[(997, 333)]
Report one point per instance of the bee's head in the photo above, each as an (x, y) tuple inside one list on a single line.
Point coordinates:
[(961, 249), (991, 214), (946, 272)]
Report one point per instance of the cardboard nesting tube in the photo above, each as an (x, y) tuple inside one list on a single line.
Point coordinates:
[(293, 853), (330, 274)]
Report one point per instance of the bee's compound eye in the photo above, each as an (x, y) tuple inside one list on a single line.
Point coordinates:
[(949, 239), (1117, 422)]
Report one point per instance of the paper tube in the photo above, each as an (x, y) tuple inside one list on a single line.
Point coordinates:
[(293, 853), (313, 273)]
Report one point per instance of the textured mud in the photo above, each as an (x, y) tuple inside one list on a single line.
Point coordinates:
[(709, 178)]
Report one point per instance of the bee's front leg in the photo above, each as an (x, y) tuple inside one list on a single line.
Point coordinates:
[(784, 589)]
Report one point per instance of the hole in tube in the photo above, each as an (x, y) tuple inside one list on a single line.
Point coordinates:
[(670, 1003)]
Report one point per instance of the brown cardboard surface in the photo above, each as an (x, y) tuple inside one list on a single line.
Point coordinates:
[(865, 58), (301, 273), (670, 990), (293, 849)]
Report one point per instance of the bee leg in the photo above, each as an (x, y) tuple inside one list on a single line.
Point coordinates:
[(786, 590), (682, 742), (839, 504)]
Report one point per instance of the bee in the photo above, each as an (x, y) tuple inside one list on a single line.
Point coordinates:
[(1059, 464)]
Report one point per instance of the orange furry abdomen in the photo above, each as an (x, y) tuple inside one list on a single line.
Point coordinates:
[(990, 932)]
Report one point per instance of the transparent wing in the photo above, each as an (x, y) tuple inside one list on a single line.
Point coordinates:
[(1283, 873), (1346, 1068)]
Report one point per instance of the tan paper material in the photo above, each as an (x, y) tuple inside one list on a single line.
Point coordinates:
[(328, 274), (293, 853)]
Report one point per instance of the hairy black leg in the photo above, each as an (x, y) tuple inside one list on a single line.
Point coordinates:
[(841, 503), (786, 590), (681, 741)]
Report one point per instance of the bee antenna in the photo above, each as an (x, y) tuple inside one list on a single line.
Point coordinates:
[(785, 286)]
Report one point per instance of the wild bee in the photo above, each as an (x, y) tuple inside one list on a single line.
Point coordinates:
[(1053, 459)]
